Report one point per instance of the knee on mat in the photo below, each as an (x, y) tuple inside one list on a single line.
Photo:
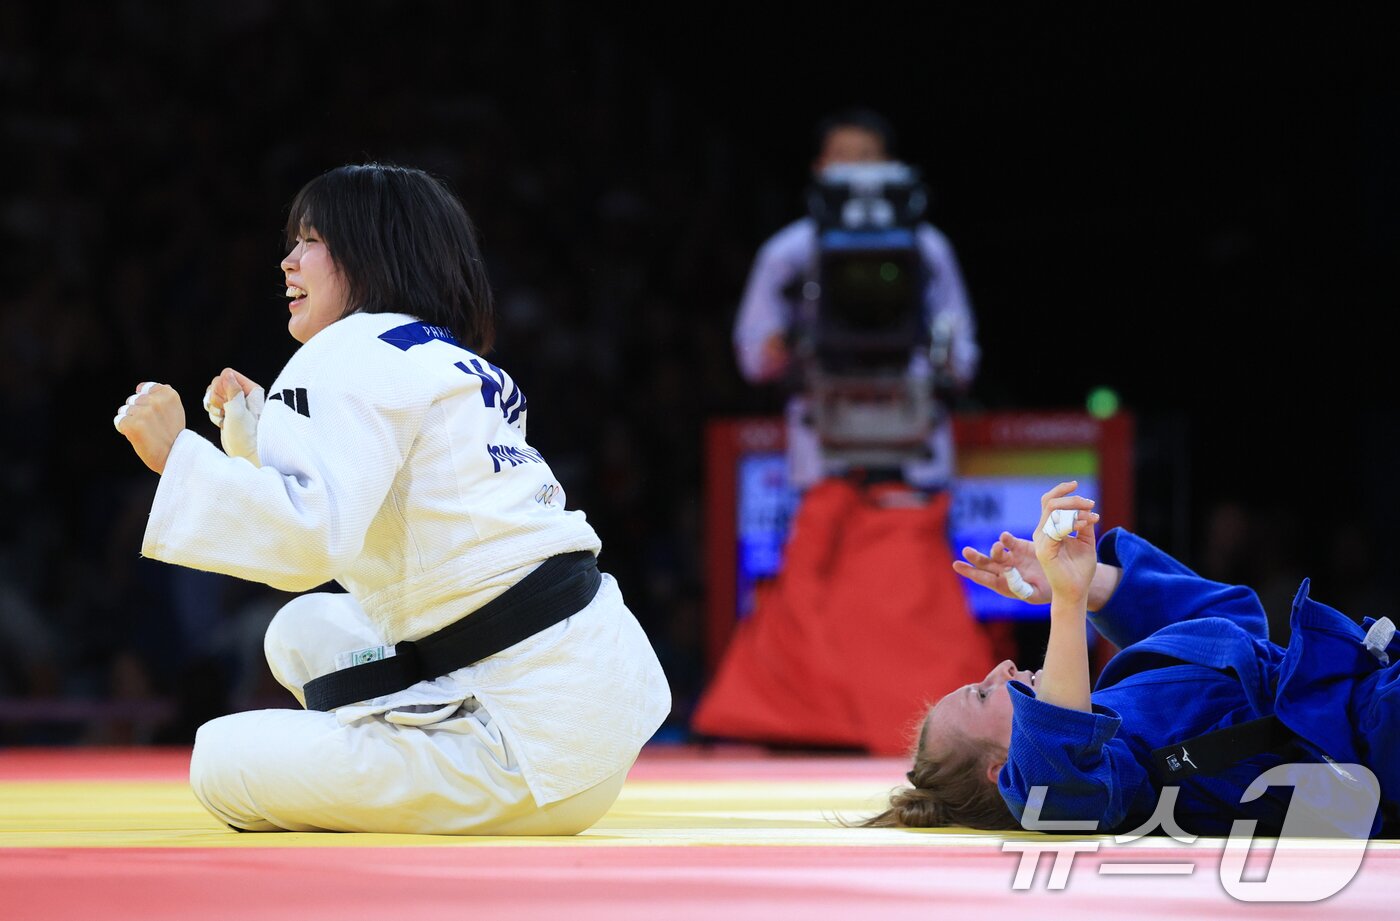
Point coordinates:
[(217, 767)]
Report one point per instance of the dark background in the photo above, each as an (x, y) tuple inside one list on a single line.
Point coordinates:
[(1197, 209)]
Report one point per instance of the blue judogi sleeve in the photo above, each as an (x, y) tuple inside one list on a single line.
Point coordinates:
[(1156, 591), (1090, 772)]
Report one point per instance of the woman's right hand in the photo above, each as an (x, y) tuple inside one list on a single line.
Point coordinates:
[(1068, 564), (222, 389)]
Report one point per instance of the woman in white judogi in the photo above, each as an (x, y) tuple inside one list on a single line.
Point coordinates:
[(390, 456)]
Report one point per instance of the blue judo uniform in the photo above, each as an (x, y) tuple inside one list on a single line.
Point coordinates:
[(1196, 657)]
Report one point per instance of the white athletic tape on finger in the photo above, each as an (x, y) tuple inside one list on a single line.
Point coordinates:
[(216, 414), (1060, 524), (1019, 586), (140, 392), (239, 433), (130, 402)]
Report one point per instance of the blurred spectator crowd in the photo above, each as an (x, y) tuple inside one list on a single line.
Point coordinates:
[(159, 148), (154, 149)]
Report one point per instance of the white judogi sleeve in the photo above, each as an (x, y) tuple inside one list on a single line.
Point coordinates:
[(301, 519)]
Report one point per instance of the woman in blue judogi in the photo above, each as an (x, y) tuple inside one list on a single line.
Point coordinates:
[(1195, 659)]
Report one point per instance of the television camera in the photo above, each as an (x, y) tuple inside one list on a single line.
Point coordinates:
[(868, 358)]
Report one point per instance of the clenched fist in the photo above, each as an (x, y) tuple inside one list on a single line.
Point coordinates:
[(151, 419), (224, 388), (235, 403)]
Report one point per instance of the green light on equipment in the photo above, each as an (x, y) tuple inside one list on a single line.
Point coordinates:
[(889, 271), (1102, 402)]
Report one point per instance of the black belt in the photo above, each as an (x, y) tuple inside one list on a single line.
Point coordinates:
[(1218, 750), (559, 587)]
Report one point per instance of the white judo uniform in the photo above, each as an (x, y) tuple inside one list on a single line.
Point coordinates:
[(395, 462)]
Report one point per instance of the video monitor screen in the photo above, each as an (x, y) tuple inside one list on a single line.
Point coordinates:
[(1000, 492), (1005, 462)]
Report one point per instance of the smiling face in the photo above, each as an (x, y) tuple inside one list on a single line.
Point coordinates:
[(979, 712), (315, 286)]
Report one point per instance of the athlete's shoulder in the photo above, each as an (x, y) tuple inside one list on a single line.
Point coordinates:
[(443, 365), (373, 329), (352, 354), (367, 339), (358, 331)]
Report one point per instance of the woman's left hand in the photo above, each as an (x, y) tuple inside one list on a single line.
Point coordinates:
[(151, 419), (993, 569)]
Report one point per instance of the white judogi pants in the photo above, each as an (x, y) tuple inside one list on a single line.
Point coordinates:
[(414, 770)]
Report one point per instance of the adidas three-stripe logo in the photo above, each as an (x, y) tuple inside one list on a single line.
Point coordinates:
[(296, 399)]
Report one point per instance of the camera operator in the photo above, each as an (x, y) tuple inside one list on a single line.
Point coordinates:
[(765, 329)]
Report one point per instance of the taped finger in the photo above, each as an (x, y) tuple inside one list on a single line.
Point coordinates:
[(117, 419), (1019, 586), (1060, 524), (216, 413), (146, 388)]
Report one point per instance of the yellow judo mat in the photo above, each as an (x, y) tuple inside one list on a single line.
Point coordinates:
[(732, 834)]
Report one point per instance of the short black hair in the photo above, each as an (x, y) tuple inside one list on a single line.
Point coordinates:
[(858, 117), (404, 244)]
